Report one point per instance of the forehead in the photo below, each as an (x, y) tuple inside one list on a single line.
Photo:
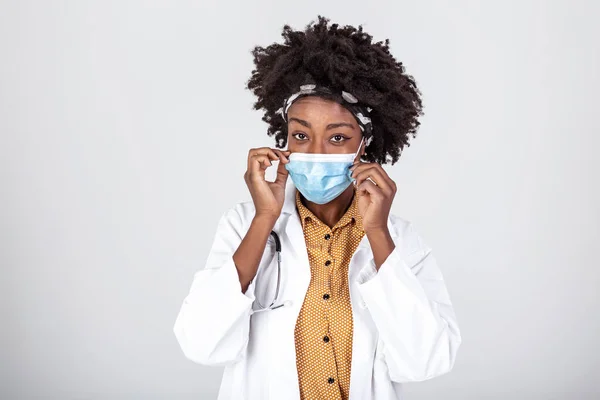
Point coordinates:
[(318, 107)]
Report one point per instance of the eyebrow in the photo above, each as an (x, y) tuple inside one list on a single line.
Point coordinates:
[(330, 126)]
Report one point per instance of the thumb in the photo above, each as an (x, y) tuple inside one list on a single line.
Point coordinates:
[(282, 174)]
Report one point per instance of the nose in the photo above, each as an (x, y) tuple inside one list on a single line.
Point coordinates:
[(316, 147)]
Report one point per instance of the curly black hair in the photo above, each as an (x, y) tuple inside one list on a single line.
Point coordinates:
[(341, 58)]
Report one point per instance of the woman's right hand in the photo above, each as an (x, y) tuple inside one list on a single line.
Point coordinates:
[(267, 196)]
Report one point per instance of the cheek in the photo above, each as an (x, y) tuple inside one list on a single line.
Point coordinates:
[(343, 147), (293, 146)]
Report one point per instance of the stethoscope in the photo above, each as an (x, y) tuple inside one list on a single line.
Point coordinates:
[(273, 305)]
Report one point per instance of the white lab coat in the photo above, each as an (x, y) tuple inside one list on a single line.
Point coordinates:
[(405, 328)]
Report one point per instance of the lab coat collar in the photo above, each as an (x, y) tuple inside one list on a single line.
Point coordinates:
[(289, 203), (296, 234), (292, 224)]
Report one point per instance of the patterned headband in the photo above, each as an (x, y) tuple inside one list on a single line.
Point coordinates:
[(346, 99)]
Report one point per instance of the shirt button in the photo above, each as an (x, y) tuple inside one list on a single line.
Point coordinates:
[(326, 296), (327, 263), (327, 236), (326, 339), (330, 380)]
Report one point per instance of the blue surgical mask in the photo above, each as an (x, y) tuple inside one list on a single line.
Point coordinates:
[(321, 177)]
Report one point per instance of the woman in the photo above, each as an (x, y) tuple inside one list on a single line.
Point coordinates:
[(357, 304)]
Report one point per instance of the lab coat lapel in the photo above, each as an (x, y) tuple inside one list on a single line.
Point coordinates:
[(361, 267), (295, 280), (295, 237), (364, 254), (293, 227)]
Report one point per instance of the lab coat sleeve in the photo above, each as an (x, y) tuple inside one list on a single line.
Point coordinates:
[(212, 326), (411, 308)]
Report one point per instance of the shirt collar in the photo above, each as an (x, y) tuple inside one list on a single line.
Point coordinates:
[(351, 216)]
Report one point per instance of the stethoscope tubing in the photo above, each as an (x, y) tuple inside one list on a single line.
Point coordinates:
[(272, 306)]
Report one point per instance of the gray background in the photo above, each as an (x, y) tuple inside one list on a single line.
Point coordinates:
[(124, 132)]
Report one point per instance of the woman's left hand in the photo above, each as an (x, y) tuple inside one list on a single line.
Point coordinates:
[(376, 191)]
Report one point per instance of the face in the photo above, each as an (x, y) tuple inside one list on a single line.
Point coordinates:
[(317, 125)]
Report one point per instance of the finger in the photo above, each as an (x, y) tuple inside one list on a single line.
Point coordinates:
[(358, 167), (356, 164), (259, 163), (361, 169), (369, 188), (282, 174), (283, 155), (261, 151), (384, 176), (264, 158), (376, 178)]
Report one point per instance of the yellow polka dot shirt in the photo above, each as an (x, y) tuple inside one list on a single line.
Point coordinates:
[(323, 331)]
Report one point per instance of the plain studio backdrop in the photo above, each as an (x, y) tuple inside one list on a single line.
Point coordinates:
[(125, 127)]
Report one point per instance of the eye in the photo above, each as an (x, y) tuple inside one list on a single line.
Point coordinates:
[(300, 136), (338, 138)]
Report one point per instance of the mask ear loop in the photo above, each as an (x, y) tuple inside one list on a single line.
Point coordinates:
[(358, 151), (353, 160)]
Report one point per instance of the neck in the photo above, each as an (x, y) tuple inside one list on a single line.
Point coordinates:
[(333, 211)]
